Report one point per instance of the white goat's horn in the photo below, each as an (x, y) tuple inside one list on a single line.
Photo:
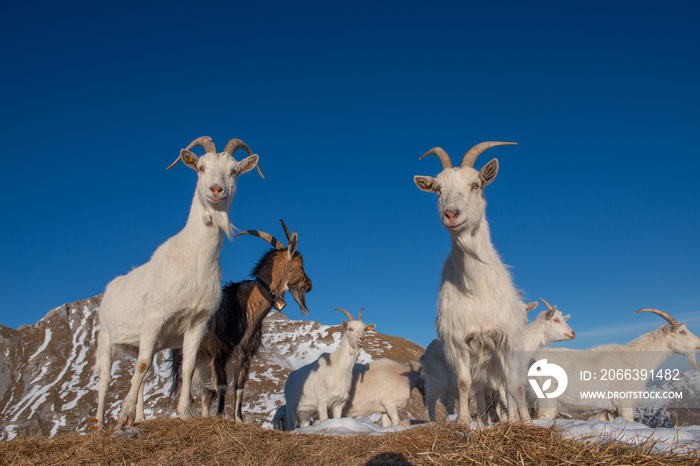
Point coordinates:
[(360, 316), (549, 306), (663, 314), (440, 153), (234, 144), (472, 154), (286, 230), (204, 141), (350, 317), (266, 236)]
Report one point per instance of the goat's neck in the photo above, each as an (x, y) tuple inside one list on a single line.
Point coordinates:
[(655, 342), (533, 336), (205, 228), (475, 260), (345, 355)]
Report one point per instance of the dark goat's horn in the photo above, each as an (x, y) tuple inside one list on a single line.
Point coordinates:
[(286, 230), (266, 236)]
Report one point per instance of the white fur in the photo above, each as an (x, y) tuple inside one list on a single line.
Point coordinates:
[(647, 352), (439, 380), (383, 386), (479, 313), (323, 386), (165, 303)]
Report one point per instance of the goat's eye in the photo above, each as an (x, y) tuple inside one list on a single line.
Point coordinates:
[(557, 321), (475, 186), (201, 168), (682, 332)]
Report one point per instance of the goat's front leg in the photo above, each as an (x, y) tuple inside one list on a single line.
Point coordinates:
[(338, 410), (464, 384), (322, 409), (221, 379), (190, 345)]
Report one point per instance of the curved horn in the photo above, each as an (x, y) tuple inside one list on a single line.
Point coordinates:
[(663, 314), (234, 144), (440, 153), (472, 154), (204, 141), (350, 317), (286, 230), (266, 236), (549, 306), (360, 316)]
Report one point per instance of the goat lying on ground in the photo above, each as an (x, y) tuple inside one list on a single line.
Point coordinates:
[(382, 386), (234, 331), (323, 386), (479, 313), (633, 361), (166, 302)]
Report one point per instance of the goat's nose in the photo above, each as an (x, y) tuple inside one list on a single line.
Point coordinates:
[(216, 190), (451, 214)]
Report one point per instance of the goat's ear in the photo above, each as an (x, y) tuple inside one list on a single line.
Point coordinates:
[(247, 164), (345, 325), (426, 183), (566, 317), (369, 327), (488, 172), (531, 306), (189, 159), (293, 242)]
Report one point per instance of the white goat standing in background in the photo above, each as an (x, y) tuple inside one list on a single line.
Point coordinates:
[(166, 302), (645, 353), (312, 390), (479, 312)]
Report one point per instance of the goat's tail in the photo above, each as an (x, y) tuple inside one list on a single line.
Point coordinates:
[(175, 360)]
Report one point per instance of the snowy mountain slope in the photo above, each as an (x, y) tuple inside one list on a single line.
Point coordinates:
[(47, 386)]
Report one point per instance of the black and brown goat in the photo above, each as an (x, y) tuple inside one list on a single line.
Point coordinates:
[(234, 331)]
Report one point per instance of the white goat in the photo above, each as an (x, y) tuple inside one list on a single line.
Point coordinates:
[(382, 386), (166, 302), (324, 385), (479, 313), (439, 381), (635, 360)]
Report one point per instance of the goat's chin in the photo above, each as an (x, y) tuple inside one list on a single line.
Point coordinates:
[(300, 297), (692, 360), (455, 229)]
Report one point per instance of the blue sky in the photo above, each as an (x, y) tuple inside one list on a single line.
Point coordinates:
[(596, 209)]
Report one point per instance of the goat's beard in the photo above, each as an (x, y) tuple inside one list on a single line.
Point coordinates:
[(300, 297), (219, 218), (692, 360)]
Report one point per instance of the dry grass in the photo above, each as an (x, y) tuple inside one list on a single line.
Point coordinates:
[(222, 441)]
